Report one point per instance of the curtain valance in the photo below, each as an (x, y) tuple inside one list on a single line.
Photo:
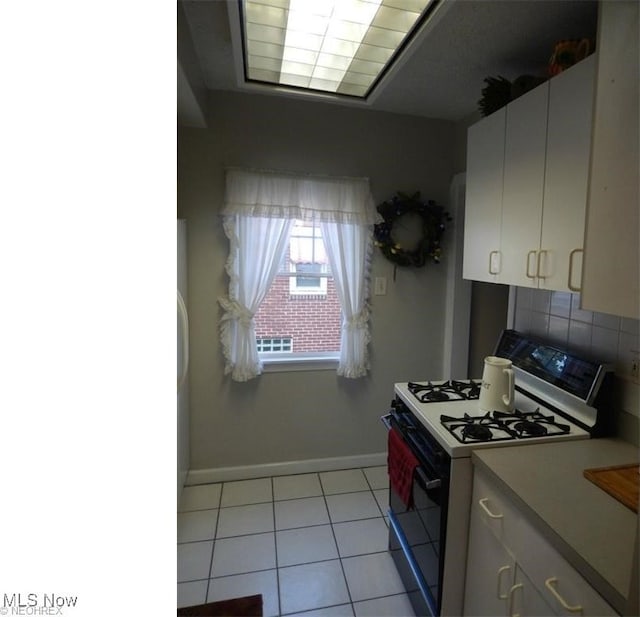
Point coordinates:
[(272, 194)]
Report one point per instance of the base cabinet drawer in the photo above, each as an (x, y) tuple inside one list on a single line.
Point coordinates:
[(562, 587), (496, 512), (525, 599), (487, 591)]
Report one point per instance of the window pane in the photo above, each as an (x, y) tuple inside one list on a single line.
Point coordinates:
[(305, 247), (308, 281), (301, 312), (270, 345)]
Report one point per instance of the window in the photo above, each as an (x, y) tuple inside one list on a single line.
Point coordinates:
[(306, 255), (273, 345), (302, 301), (308, 283), (314, 230)]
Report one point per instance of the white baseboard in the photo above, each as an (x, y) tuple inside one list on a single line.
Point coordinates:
[(246, 472)]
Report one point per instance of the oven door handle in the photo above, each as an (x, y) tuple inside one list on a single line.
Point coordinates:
[(427, 483)]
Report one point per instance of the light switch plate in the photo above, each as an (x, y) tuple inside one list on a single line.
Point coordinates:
[(380, 286)]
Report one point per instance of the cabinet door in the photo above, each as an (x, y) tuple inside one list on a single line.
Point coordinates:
[(490, 563), (525, 600), (524, 165), (611, 278), (490, 571), (485, 160), (566, 177)]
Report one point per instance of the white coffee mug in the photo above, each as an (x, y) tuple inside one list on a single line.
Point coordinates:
[(497, 391)]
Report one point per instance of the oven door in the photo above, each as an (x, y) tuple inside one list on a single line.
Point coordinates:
[(416, 537)]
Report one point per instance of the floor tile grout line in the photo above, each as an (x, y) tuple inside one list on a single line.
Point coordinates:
[(369, 488), (258, 503), (313, 610), (213, 544), (294, 565), (309, 473), (373, 491), (320, 608), (275, 546), (335, 540), (276, 530), (307, 563), (290, 475), (232, 574)]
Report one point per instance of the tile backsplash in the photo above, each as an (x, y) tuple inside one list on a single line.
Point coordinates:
[(557, 317)]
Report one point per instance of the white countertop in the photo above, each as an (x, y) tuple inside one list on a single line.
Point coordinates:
[(594, 532)]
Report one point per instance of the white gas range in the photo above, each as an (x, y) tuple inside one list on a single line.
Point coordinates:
[(460, 426), (557, 398)]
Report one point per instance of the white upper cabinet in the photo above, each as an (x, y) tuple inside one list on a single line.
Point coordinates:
[(611, 274), (485, 161), (566, 177), (540, 210), (525, 144)]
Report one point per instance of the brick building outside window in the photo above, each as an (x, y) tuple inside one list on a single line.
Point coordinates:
[(301, 312)]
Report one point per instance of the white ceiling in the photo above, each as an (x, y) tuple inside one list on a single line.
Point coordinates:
[(442, 75)]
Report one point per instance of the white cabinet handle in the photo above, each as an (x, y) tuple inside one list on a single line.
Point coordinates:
[(184, 320), (550, 585), (511, 597), (528, 273), (538, 273), (494, 260), (483, 505), (570, 278), (501, 571)]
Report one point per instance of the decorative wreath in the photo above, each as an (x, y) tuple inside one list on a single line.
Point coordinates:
[(411, 232)]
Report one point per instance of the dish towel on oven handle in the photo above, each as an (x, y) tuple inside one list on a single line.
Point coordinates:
[(401, 464)]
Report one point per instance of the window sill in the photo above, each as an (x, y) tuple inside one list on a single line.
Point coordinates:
[(300, 363)]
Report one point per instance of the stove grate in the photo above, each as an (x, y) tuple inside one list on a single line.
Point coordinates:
[(501, 426), (451, 390)]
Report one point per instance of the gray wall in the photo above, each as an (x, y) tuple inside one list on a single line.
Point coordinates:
[(281, 417), (489, 308)]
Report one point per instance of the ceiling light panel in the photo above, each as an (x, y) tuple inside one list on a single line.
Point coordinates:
[(339, 46)]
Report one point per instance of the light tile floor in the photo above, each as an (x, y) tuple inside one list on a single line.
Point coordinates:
[(312, 544)]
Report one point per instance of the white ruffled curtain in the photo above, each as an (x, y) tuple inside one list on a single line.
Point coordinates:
[(258, 245), (259, 209), (349, 251)]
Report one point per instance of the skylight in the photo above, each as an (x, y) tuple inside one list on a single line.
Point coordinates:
[(338, 46)]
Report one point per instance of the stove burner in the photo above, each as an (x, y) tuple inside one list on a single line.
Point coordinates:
[(530, 429), (479, 432), (435, 396), (532, 424), (477, 428), (451, 390)]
